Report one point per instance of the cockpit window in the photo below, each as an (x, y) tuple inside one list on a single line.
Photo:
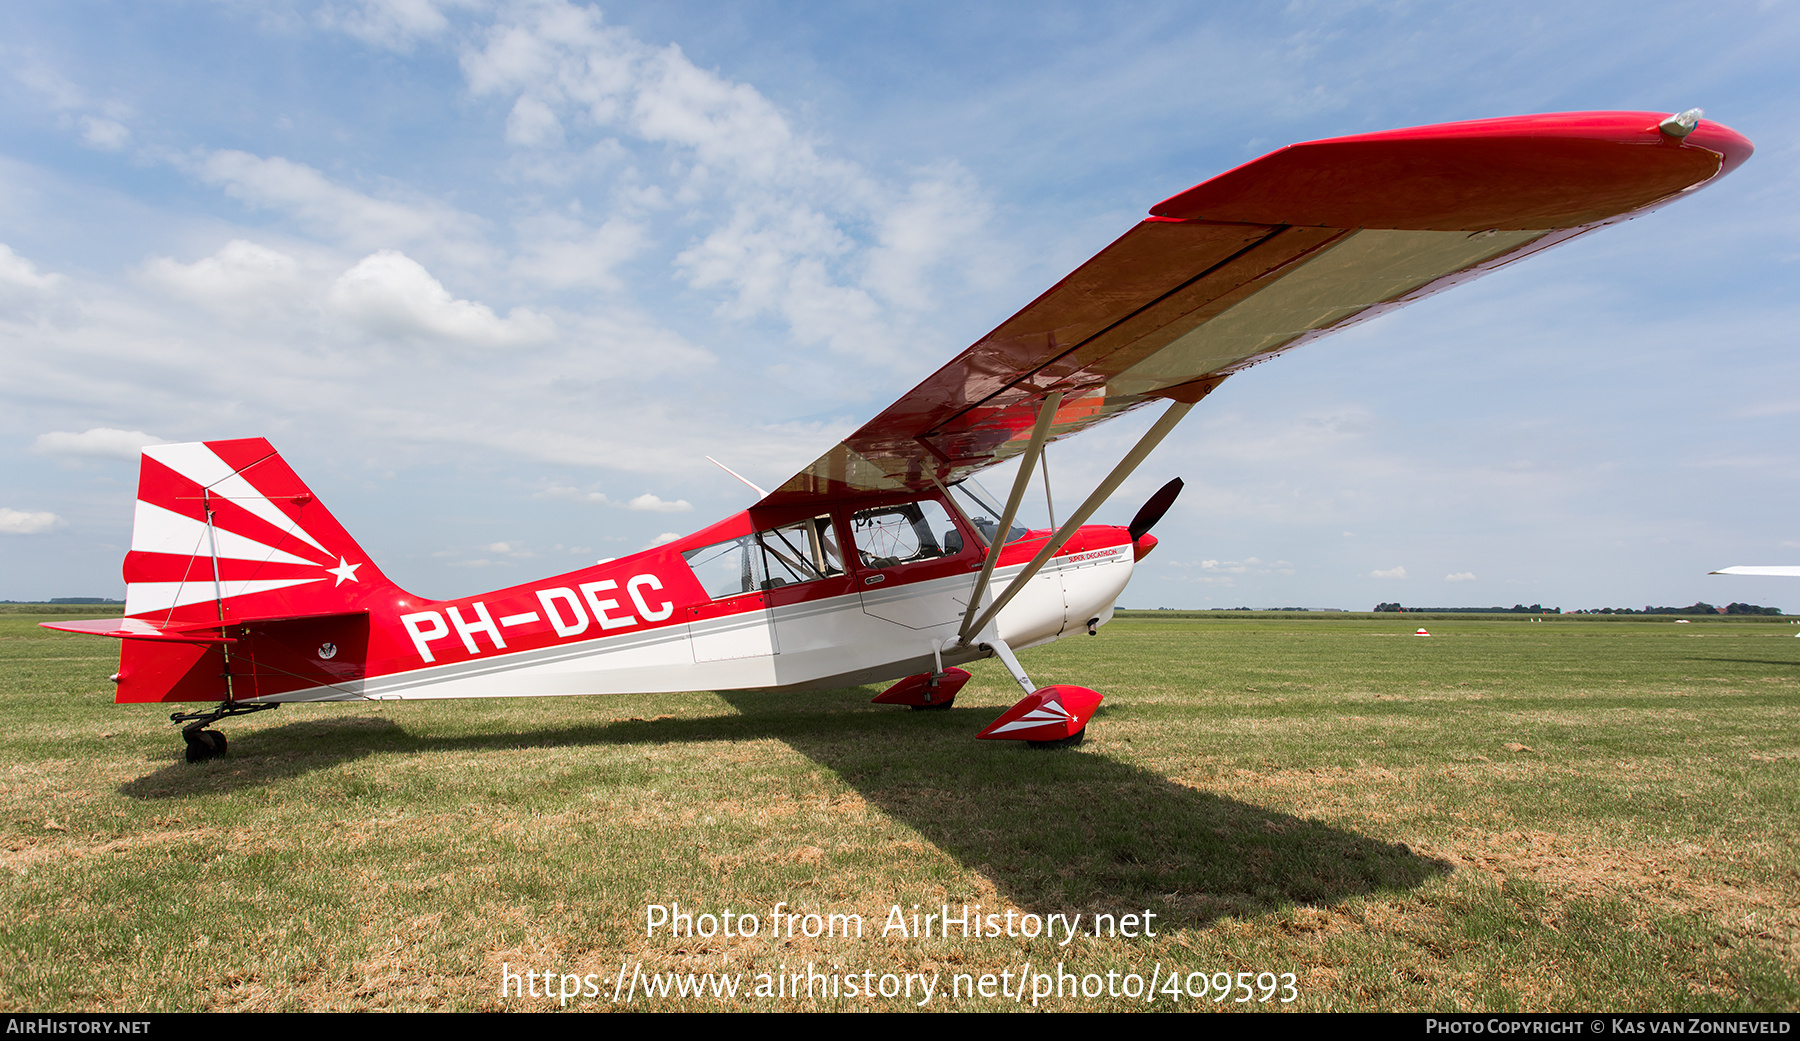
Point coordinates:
[(905, 533), (729, 568), (805, 551)]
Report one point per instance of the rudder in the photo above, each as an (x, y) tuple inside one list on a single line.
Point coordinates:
[(226, 531)]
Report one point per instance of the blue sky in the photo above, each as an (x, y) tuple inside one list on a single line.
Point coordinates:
[(496, 277)]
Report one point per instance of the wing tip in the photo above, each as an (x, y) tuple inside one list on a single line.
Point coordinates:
[(1538, 172)]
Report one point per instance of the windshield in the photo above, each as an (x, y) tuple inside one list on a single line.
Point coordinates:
[(982, 510)]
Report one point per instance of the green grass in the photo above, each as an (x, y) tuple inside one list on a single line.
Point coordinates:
[(1572, 814)]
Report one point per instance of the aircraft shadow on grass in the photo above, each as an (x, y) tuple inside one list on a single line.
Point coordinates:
[(258, 758), (1752, 661), (1055, 831), (1067, 830)]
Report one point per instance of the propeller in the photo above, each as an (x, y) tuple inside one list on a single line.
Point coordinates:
[(1154, 509)]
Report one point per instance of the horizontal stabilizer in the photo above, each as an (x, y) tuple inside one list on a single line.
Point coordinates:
[(139, 629)]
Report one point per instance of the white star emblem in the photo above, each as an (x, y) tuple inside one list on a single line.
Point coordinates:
[(345, 571)]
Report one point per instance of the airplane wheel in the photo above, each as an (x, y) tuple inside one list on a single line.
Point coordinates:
[(937, 707), (199, 748), (203, 745), (1068, 742)]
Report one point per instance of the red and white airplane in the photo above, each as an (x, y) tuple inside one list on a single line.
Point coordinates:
[(879, 561), (1770, 570)]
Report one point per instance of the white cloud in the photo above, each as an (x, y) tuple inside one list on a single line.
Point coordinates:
[(1460, 576), (19, 273), (104, 131), (570, 494), (935, 217), (499, 554), (55, 88), (1396, 572), (1247, 566), (108, 135), (389, 295), (393, 24), (664, 539), (19, 522), (560, 55), (352, 217), (844, 261), (240, 272), (565, 253), (1222, 572), (99, 441), (533, 123), (1785, 407), (650, 502)]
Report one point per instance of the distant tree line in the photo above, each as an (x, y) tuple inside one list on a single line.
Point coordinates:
[(1701, 607), (1514, 609), (66, 600)]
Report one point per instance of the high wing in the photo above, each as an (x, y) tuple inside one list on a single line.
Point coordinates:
[(1259, 260)]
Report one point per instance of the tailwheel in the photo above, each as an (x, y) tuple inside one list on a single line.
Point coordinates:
[(203, 744)]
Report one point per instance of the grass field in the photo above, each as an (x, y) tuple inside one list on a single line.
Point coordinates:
[(1567, 814)]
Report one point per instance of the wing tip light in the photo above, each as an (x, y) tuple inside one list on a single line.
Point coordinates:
[(1681, 124)]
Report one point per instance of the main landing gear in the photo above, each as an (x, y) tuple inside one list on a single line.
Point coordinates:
[(1046, 717), (204, 744), (926, 692)]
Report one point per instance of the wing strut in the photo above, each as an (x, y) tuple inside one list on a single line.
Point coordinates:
[(1145, 445), (1040, 432)]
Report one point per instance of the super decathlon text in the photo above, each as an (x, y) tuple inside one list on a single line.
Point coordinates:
[(921, 923)]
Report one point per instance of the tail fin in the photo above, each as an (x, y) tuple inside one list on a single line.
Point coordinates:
[(239, 584), (226, 532)]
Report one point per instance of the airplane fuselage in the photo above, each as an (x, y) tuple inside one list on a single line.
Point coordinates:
[(745, 603)]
